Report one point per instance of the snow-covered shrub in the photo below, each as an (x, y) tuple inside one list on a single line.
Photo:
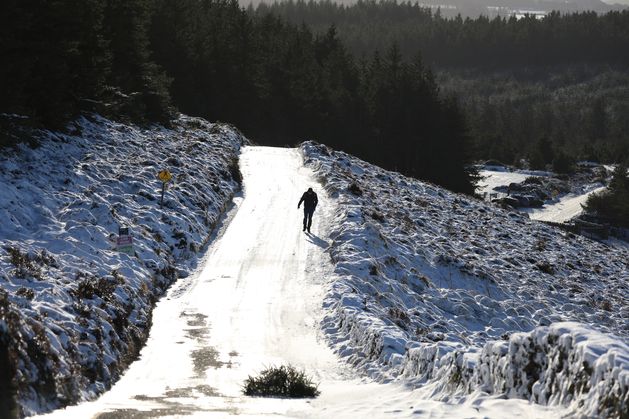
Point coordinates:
[(29, 265), (282, 381), (561, 364)]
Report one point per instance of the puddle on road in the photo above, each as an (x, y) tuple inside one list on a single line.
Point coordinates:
[(197, 320), (169, 407), (184, 392), (172, 409), (205, 358), (180, 401), (189, 391), (199, 326), (145, 414), (198, 334)]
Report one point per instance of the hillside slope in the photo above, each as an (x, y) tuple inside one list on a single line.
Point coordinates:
[(73, 310), (466, 297)]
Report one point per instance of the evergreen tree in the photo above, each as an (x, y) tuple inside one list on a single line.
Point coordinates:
[(563, 163), (542, 154), (53, 57), (279, 82), (613, 204), (126, 26)]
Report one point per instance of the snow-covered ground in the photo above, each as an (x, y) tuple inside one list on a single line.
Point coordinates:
[(469, 298), (492, 179), (254, 303), (450, 306), (257, 301), (74, 312)]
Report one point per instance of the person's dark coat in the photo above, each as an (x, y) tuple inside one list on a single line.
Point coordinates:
[(310, 200)]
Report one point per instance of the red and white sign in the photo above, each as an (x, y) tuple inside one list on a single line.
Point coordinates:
[(124, 240), (125, 244)]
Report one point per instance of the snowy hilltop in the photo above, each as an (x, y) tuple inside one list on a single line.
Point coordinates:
[(74, 311), (465, 297)]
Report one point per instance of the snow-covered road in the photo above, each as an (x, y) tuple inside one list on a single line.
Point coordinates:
[(255, 302), (565, 209)]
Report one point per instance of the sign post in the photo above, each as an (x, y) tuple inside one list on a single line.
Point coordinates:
[(165, 176)]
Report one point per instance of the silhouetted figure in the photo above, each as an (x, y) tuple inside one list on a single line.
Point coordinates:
[(310, 200)]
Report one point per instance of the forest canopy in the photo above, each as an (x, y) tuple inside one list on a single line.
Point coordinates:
[(491, 43), (563, 78), (279, 82), (497, 88)]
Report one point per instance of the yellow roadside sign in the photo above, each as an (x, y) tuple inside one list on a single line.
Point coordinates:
[(164, 176)]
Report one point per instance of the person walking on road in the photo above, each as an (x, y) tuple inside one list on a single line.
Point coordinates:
[(310, 200)]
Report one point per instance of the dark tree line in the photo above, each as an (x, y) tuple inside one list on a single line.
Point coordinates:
[(282, 84), (499, 42), (561, 79), (580, 110), (59, 57), (279, 82)]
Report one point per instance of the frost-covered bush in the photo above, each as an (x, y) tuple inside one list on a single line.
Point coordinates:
[(29, 265)]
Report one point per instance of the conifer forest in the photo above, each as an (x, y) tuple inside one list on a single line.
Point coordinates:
[(392, 82)]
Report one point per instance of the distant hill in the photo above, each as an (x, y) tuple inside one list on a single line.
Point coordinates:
[(474, 8)]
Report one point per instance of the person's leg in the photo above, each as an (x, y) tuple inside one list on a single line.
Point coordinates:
[(305, 219), (310, 219)]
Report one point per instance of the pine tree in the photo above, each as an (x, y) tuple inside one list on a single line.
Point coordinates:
[(126, 26), (53, 57), (612, 205)]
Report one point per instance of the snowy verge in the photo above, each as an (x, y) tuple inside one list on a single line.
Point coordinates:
[(562, 364), (446, 290), (74, 312)]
